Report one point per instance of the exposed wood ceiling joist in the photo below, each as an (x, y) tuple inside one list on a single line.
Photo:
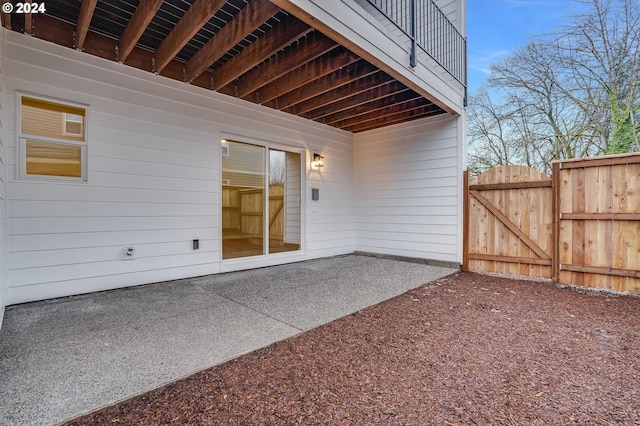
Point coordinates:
[(249, 18), (306, 50), (28, 21), (333, 81), (197, 15), (84, 19), (383, 100), (332, 33), (287, 31), (307, 73), (368, 92), (397, 114), (145, 12), (249, 49), (6, 20)]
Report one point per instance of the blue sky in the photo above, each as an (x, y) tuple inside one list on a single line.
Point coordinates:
[(497, 27)]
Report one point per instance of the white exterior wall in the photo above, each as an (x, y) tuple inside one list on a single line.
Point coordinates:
[(3, 181), (154, 170), (454, 10), (409, 189), (153, 178)]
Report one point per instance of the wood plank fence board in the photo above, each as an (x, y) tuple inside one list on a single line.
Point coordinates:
[(513, 227), (610, 160), (504, 235), (580, 227)]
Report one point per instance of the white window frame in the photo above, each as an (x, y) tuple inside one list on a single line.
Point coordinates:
[(23, 137), (67, 118), (268, 259)]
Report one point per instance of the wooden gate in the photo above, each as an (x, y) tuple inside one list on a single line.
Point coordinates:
[(509, 222), (580, 227)]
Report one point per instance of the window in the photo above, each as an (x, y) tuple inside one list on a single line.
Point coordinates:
[(73, 124), (52, 141)]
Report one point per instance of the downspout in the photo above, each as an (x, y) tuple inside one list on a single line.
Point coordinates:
[(412, 58)]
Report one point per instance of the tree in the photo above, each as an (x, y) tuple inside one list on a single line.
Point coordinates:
[(573, 93), (601, 50), (489, 139), (277, 167)]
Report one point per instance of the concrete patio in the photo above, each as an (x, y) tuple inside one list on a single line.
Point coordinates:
[(65, 357)]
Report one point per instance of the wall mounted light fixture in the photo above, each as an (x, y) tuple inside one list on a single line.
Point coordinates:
[(317, 162)]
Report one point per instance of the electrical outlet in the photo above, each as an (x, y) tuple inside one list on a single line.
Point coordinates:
[(128, 253)]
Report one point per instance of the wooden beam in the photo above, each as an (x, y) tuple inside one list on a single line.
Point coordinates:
[(511, 185), (600, 216), (306, 50), (54, 30), (144, 13), (195, 17), (59, 32), (84, 19), (244, 23), (608, 160), (555, 230), (351, 104), (408, 108), (465, 220), (309, 72), (618, 272), (343, 92), (280, 36), (510, 259), (6, 20), (290, 7), (399, 117), (322, 85), (28, 20), (510, 225), (380, 100)]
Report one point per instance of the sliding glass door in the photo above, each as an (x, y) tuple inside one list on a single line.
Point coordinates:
[(261, 193)]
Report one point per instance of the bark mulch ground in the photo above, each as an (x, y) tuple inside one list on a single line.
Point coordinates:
[(467, 349)]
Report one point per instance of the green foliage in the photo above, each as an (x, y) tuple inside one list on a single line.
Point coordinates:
[(624, 134)]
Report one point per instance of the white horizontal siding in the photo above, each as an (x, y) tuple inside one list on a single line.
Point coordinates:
[(153, 178), (451, 9), (75, 255), (159, 273), (61, 273), (56, 241), (44, 208), (407, 189), (43, 225), (91, 193)]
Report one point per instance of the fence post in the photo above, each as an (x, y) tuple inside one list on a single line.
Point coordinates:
[(555, 211), (465, 221)]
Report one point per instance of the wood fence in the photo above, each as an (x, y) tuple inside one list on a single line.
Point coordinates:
[(243, 212), (579, 227)]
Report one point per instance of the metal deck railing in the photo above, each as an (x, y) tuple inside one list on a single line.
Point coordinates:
[(430, 30)]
